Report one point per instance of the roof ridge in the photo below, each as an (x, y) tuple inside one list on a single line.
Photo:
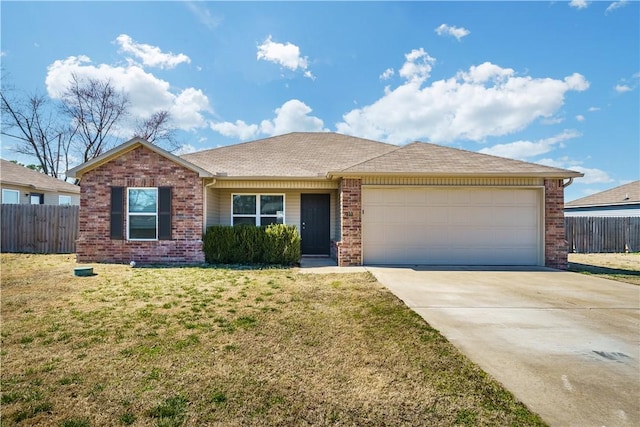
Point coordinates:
[(397, 147), (261, 140)]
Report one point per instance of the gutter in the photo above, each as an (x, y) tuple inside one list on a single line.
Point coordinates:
[(570, 176)]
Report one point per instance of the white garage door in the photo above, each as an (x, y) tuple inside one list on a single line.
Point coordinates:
[(446, 226)]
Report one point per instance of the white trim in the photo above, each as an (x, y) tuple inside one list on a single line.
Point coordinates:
[(130, 214), (257, 215), (132, 144), (10, 191)]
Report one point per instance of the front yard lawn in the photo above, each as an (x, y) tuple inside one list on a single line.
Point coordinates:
[(620, 267), (200, 346)]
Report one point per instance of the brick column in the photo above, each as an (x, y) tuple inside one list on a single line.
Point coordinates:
[(350, 246), (555, 244)]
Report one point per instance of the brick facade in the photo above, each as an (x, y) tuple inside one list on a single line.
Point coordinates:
[(349, 249), (555, 244), (141, 167)]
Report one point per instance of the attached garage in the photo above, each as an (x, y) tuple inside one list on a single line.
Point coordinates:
[(452, 225)]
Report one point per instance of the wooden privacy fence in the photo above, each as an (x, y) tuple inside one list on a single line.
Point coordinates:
[(602, 234), (42, 229)]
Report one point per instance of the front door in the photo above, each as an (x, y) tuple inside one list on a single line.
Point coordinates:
[(314, 224)]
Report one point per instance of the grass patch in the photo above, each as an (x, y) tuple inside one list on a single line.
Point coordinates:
[(220, 346), (619, 267)]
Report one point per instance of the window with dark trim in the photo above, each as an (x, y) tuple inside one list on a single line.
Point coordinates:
[(36, 199), (257, 209), (147, 214)]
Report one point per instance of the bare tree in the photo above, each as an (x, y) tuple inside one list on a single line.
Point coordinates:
[(156, 128), (32, 123), (95, 108), (92, 119)]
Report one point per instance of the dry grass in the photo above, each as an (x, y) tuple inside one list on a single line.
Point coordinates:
[(620, 267), (204, 346)]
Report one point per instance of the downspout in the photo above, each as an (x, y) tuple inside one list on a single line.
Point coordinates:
[(568, 183)]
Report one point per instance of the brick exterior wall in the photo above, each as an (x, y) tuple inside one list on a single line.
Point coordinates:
[(555, 244), (141, 167), (349, 249)]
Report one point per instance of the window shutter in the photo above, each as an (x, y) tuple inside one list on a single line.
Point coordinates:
[(117, 213), (164, 213)]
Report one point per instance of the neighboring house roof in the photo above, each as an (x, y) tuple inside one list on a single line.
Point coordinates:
[(130, 145), (627, 194), (11, 173), (297, 154), (302, 154), (420, 158)]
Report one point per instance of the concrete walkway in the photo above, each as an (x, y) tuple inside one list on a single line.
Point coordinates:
[(325, 265), (567, 345)]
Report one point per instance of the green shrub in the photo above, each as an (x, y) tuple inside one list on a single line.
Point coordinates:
[(246, 244)]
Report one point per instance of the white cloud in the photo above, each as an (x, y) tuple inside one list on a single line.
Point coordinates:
[(457, 32), (628, 84), (593, 109), (292, 116), (151, 56), (523, 150), (554, 120), (185, 149), (486, 100), (580, 118), (147, 93), (188, 107), (615, 5), (287, 55), (417, 67), (387, 74), (239, 129), (591, 175), (3, 53), (579, 4), (203, 14)]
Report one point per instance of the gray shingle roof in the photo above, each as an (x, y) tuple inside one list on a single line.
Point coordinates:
[(622, 195), (298, 154), (11, 173), (301, 154), (420, 158)]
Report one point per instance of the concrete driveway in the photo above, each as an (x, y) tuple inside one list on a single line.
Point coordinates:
[(566, 344)]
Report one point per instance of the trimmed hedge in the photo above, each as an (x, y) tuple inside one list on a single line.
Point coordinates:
[(247, 244)]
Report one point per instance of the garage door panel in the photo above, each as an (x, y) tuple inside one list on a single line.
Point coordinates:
[(461, 226), (511, 197), (437, 215)]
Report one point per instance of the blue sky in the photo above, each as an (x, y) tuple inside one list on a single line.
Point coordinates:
[(548, 82)]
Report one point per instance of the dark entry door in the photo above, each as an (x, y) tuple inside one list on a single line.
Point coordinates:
[(314, 223)]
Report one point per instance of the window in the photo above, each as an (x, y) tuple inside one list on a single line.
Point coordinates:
[(146, 211), (142, 213), (10, 197), (64, 200), (36, 199), (257, 209)]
